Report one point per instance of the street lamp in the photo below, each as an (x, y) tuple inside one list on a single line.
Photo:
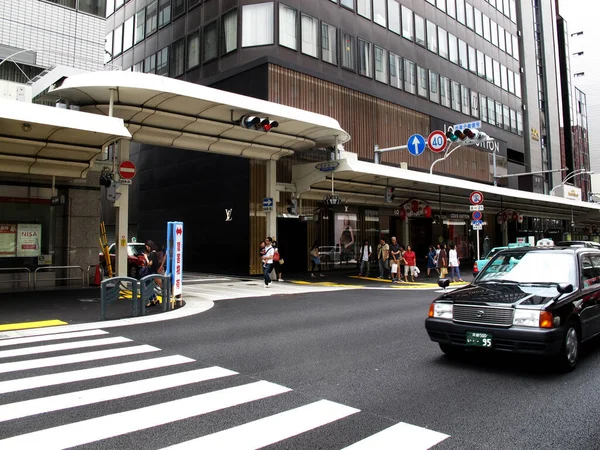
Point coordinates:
[(571, 175)]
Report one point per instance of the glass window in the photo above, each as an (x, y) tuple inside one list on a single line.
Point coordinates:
[(445, 91), (192, 3), (110, 7), (494, 32), (480, 64), (193, 48), (453, 48), (466, 107), (518, 85), (477, 18), (520, 124), (460, 11), (95, 7), (434, 89), (257, 24), (364, 58), (347, 3), (501, 38), (431, 1), (513, 121), (71, 3), (472, 58), (229, 32), (394, 16), (455, 96), (329, 43), (140, 23), (395, 71), (511, 81), (128, 28), (508, 43), (421, 81), (139, 67), (496, 68), (489, 69), (462, 54), (410, 82), (503, 77), (178, 7), (513, 11), (419, 30), (499, 6), (506, 8), (151, 19), (451, 8), (486, 27), (499, 114), (150, 64), (118, 41), (210, 42), (491, 112), (381, 63), (162, 62), (441, 5), (474, 104), (177, 58), (310, 36), (442, 43), (469, 16), (379, 15), (164, 16), (506, 116), (108, 47), (483, 105), (347, 51), (515, 48), (407, 23), (363, 7), (432, 37), (288, 27)]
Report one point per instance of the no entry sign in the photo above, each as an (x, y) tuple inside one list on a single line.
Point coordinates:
[(127, 170)]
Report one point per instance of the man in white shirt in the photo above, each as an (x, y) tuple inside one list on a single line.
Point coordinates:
[(364, 259), (267, 260)]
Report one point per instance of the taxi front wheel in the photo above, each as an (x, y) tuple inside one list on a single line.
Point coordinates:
[(568, 356)]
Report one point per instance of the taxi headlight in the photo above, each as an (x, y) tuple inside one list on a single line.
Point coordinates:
[(441, 310), (530, 318)]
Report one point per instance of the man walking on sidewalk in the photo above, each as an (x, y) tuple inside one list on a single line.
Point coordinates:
[(383, 253), (267, 260), (365, 257)]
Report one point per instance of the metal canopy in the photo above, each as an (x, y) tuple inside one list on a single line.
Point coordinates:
[(40, 140), (174, 113), (358, 182)]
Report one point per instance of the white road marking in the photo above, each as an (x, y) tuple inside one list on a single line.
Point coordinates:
[(92, 430), (42, 405), (402, 436), (51, 337), (76, 358), (53, 379), (272, 429), (64, 346)]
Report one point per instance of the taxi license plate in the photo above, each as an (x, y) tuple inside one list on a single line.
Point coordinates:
[(479, 339)]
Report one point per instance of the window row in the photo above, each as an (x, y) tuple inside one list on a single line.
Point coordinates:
[(459, 9), (177, 6)]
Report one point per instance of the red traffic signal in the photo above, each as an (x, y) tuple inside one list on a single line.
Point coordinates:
[(470, 133), (258, 123)]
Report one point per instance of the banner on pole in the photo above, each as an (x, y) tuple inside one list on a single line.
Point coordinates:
[(175, 256)]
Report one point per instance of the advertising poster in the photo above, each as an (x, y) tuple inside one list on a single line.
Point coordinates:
[(29, 236), (8, 241), (345, 231)]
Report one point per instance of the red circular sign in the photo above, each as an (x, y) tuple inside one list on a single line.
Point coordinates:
[(437, 141), (477, 215), (127, 170), (476, 198)]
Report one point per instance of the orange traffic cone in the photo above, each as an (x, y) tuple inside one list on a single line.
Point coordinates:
[(97, 276)]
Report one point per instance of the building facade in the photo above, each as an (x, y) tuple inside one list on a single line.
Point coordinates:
[(385, 69)]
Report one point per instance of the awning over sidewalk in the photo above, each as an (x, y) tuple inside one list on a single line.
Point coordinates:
[(41, 140), (363, 183), (173, 113)]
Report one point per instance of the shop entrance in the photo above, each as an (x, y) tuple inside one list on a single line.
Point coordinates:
[(293, 245), (421, 235)]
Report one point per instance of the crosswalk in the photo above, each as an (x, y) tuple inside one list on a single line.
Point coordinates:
[(59, 391)]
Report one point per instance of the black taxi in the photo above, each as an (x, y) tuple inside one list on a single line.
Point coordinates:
[(525, 300)]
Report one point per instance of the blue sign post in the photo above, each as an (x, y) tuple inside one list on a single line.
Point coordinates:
[(416, 144), (174, 251)]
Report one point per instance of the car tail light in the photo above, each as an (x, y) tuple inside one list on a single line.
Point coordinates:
[(546, 319), (431, 310), (475, 268)]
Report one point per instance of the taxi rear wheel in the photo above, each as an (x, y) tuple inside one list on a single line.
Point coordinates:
[(569, 353)]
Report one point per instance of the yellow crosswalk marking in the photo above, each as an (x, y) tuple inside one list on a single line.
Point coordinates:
[(25, 325)]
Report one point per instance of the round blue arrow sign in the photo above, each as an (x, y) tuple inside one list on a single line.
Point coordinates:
[(416, 144)]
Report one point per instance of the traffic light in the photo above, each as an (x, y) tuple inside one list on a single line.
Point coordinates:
[(292, 207), (106, 178), (258, 123), (451, 136), (389, 194), (466, 136), (460, 135)]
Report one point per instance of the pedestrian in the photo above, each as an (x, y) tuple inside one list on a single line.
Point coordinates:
[(410, 260), (431, 261), (267, 260), (315, 260), (365, 257), (161, 258), (383, 253), (152, 264), (443, 261), (454, 264), (277, 261), (402, 264), (394, 260)]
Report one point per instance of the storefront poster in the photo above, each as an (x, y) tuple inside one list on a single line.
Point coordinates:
[(29, 240), (345, 232), (8, 241)]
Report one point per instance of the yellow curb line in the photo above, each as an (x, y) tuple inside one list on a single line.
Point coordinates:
[(25, 325)]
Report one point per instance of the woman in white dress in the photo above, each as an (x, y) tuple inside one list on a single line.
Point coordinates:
[(454, 264)]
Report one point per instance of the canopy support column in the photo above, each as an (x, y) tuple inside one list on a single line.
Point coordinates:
[(122, 217), (272, 193)]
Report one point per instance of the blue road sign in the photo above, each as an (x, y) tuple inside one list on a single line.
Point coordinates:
[(476, 222), (416, 144), (268, 204)]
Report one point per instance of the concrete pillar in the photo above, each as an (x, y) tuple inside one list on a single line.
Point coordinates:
[(272, 193), (405, 233), (122, 217)]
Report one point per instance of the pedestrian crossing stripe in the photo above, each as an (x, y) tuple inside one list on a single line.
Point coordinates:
[(251, 435)]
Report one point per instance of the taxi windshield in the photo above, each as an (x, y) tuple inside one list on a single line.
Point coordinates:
[(531, 267)]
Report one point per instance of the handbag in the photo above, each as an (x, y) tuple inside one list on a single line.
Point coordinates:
[(276, 257)]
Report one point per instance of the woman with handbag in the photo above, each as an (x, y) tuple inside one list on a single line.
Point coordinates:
[(277, 261), (315, 260)]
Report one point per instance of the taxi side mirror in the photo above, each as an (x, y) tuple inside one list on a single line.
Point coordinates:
[(564, 288), (444, 282)]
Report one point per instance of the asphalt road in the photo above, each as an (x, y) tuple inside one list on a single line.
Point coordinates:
[(366, 349)]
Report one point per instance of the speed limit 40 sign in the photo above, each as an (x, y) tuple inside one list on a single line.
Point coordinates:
[(437, 141)]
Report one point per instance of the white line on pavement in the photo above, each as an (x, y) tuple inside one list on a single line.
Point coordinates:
[(400, 436), (63, 346), (51, 337)]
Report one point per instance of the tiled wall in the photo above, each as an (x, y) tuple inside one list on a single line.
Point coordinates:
[(60, 35)]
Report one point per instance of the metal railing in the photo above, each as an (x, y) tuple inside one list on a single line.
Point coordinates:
[(140, 292), (67, 278), (17, 270), (149, 288)]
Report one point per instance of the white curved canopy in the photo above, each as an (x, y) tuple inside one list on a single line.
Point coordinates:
[(174, 113)]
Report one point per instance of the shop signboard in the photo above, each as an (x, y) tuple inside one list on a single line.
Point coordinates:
[(8, 240), (29, 237), (175, 256)]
